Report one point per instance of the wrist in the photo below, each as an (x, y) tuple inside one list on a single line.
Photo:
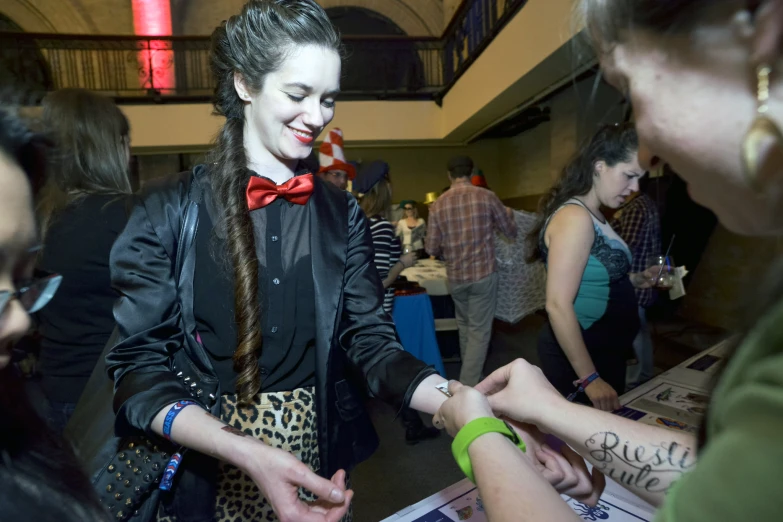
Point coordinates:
[(240, 451), (478, 428), (488, 441), (473, 414), (548, 410), (581, 384), (587, 380)]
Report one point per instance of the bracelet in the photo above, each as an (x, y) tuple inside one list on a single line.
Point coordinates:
[(170, 471), (473, 430), (581, 384), (175, 410)]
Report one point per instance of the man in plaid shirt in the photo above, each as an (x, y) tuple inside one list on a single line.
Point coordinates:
[(639, 224), (461, 228)]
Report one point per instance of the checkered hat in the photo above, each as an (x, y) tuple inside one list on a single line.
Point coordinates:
[(331, 154)]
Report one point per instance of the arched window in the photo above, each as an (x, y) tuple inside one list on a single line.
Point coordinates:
[(380, 66), (23, 67)]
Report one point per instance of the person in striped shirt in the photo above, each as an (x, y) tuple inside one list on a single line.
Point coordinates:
[(372, 188)]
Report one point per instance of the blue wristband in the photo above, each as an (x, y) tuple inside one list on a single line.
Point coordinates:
[(171, 470), (581, 384), (175, 410)]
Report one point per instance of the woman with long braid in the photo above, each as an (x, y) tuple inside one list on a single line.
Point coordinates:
[(285, 294)]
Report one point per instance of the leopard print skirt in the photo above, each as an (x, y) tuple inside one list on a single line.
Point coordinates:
[(284, 420)]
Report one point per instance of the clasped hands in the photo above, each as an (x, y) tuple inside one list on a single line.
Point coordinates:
[(520, 394)]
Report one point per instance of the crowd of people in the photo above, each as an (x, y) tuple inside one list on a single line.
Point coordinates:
[(243, 308)]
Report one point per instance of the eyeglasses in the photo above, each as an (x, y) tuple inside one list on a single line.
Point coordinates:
[(34, 295), (408, 208)]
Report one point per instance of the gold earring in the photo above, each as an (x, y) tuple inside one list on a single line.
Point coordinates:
[(761, 132)]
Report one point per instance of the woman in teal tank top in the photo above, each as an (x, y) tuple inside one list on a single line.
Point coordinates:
[(591, 304)]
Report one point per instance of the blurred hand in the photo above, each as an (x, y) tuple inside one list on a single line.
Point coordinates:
[(521, 392), (563, 468), (602, 395), (648, 278), (568, 473), (408, 260)]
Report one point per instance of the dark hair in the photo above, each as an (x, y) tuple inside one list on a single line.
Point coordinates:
[(377, 201), (90, 133), (460, 167), (23, 146), (607, 20), (612, 144), (39, 476), (252, 44)]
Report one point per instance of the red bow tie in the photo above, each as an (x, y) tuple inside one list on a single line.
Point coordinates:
[(261, 192)]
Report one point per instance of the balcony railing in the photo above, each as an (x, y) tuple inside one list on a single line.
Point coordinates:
[(134, 68)]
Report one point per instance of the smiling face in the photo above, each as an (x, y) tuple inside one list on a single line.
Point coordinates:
[(612, 185), (293, 106), (693, 103), (17, 235)]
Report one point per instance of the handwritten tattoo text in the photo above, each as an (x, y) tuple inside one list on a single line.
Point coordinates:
[(650, 467)]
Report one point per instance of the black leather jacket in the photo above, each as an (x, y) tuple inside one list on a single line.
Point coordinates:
[(357, 344)]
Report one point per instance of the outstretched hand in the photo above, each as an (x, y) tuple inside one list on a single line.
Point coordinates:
[(564, 469)]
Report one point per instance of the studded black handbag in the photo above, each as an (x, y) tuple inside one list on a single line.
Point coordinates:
[(126, 471)]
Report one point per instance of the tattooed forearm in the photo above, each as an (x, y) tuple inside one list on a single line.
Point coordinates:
[(234, 431), (228, 429), (650, 467)]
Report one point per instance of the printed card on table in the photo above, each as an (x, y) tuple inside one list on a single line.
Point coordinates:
[(466, 505), (669, 406), (611, 509)]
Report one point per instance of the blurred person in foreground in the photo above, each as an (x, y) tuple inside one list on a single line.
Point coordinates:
[(40, 479), (705, 81)]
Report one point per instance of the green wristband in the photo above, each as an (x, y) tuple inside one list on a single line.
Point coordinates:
[(473, 430)]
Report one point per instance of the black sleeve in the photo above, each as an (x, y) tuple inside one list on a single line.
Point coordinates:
[(366, 332), (148, 319)]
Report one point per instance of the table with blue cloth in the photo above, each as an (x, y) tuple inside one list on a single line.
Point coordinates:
[(412, 315)]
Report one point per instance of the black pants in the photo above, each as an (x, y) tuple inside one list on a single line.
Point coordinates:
[(610, 345)]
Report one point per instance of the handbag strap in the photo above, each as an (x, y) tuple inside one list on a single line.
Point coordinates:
[(185, 264), (187, 233)]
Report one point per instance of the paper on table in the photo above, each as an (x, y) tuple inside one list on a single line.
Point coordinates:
[(463, 502)]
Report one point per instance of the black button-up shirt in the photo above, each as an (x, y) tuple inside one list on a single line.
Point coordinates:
[(286, 291)]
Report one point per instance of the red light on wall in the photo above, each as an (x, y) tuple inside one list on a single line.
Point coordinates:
[(156, 59)]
